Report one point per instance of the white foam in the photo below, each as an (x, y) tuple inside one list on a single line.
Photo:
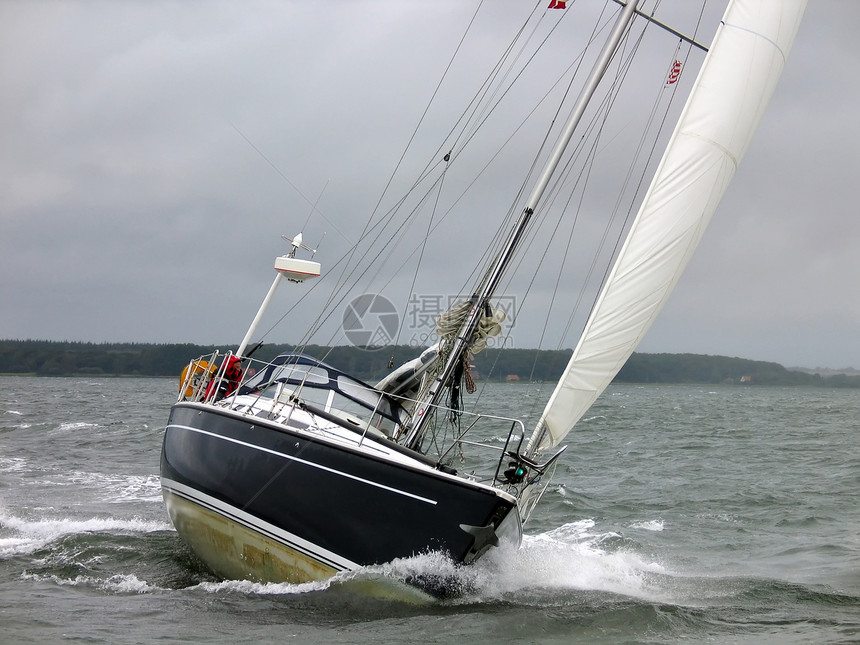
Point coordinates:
[(78, 425), (13, 464), (126, 583), (119, 583), (29, 536), (110, 487), (651, 525), (114, 488), (570, 557), (262, 588)]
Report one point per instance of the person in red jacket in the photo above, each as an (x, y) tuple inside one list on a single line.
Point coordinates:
[(229, 380)]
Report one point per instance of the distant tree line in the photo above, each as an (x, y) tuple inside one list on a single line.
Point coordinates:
[(696, 368), (55, 358)]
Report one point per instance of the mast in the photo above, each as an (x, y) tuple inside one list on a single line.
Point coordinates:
[(423, 411)]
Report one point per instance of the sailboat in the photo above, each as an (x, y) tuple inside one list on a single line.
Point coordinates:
[(293, 470)]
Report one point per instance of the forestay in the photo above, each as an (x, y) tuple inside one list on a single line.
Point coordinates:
[(727, 101)]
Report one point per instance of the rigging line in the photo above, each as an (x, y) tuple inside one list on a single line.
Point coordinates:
[(451, 208), (475, 102), (664, 26), (561, 104), (605, 109), (568, 170), (420, 257), (701, 17), (586, 173), (465, 123), (489, 100), (576, 62), (397, 237), (425, 174), (343, 275), (331, 304), (513, 210), (421, 178), (343, 288), (552, 196), (366, 232), (589, 273), (427, 108), (399, 232), (432, 229), (451, 147), (480, 95), (338, 263), (287, 179), (314, 207)]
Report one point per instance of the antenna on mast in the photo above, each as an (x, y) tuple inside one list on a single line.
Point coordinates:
[(286, 267), (297, 243)]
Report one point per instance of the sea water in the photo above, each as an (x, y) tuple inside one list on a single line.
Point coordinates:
[(713, 513)]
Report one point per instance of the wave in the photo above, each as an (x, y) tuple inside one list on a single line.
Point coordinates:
[(24, 537), (106, 487), (13, 464), (650, 525), (76, 425), (120, 583), (117, 488)]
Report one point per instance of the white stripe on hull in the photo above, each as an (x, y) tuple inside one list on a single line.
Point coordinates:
[(306, 463)]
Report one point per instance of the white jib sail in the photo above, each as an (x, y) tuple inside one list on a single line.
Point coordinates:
[(727, 101)]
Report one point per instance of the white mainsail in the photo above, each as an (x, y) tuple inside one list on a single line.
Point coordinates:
[(727, 101)]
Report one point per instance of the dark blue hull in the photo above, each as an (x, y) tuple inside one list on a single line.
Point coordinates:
[(259, 500)]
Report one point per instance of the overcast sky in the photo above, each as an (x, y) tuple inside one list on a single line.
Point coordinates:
[(154, 152)]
